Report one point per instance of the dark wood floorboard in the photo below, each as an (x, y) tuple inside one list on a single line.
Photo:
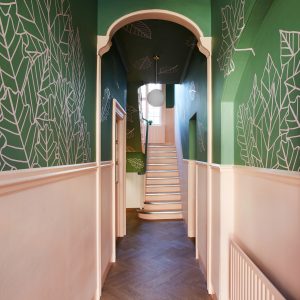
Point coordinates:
[(155, 261)]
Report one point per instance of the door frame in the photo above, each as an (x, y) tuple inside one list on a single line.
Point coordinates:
[(119, 203)]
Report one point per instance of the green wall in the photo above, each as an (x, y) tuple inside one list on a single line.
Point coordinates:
[(256, 91), (134, 156), (47, 83), (191, 99), (197, 11), (114, 86)]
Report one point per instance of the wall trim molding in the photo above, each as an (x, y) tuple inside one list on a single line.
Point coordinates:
[(258, 171), (108, 163), (13, 181), (280, 175)]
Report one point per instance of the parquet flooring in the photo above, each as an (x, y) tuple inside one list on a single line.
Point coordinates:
[(155, 261)]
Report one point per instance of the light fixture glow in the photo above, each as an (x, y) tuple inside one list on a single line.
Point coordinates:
[(156, 96)]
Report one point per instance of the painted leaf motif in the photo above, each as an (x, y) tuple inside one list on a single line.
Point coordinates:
[(46, 147), (139, 29), (131, 111), (15, 63), (201, 139), (106, 104), (267, 120), (130, 133), (292, 89), (246, 131), (232, 27), (268, 127), (289, 45), (288, 156), (143, 63), (20, 132), (168, 70), (136, 163), (43, 86)]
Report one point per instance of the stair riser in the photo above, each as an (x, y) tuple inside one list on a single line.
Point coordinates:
[(162, 167), (162, 160), (153, 154), (162, 181), (162, 174), (162, 207), (167, 197), (165, 148), (161, 216), (163, 189)]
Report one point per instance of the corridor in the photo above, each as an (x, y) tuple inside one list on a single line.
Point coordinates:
[(155, 261)]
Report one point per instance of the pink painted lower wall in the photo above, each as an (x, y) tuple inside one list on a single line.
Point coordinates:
[(48, 240), (169, 128), (267, 224), (201, 235), (106, 218)]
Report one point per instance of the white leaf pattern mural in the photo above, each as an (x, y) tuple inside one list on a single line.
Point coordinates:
[(144, 63), (43, 87), (168, 70), (105, 105), (233, 24), (201, 136), (136, 163), (131, 111), (268, 125), (139, 29)]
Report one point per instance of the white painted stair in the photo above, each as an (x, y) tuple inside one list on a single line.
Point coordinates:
[(162, 193)]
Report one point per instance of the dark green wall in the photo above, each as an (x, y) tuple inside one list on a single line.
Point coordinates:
[(197, 11), (170, 95), (191, 99), (47, 85), (114, 86), (256, 96)]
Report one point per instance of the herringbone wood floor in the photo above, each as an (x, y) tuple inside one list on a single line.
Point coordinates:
[(155, 261)]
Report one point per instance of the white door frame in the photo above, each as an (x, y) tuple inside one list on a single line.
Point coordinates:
[(118, 211)]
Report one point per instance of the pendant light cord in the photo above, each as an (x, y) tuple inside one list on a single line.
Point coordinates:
[(156, 58)]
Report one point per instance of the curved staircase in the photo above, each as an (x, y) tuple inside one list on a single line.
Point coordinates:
[(162, 191)]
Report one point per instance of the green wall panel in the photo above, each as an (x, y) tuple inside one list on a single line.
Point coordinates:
[(170, 95), (135, 162), (261, 81), (133, 119), (47, 83), (197, 11), (191, 99), (114, 86)]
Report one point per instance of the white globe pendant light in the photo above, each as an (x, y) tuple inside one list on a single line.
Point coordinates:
[(156, 96)]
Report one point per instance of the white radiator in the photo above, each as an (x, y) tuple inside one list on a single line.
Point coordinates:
[(247, 282)]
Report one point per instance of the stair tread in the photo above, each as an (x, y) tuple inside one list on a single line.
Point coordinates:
[(163, 202), (162, 185), (161, 171), (161, 164), (162, 193), (153, 211)]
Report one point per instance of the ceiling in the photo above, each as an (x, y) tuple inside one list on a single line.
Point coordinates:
[(138, 42)]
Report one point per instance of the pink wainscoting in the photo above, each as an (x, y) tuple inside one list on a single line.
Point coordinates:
[(48, 237), (267, 224), (106, 218)]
